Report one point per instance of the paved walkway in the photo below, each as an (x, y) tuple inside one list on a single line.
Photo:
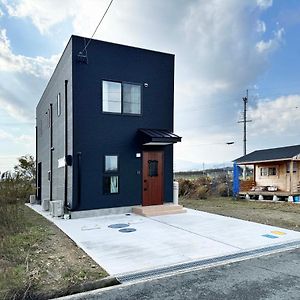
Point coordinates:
[(165, 240)]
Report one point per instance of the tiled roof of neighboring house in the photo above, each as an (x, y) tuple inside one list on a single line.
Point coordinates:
[(282, 153)]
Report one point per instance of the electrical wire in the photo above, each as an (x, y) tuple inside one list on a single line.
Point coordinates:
[(87, 44)]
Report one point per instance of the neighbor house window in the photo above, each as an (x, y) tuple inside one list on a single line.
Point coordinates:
[(294, 166), (111, 178), (288, 166), (271, 171), (58, 104), (263, 171), (120, 97)]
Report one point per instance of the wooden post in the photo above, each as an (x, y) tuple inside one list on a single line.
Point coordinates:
[(254, 174)]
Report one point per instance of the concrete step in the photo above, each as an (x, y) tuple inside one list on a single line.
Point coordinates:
[(158, 210)]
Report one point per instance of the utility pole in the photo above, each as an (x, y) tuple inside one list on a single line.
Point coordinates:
[(245, 121)]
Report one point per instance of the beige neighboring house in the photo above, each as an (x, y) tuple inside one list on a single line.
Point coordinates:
[(276, 172)]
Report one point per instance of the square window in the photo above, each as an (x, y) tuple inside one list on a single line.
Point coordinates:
[(272, 171), (111, 163), (131, 98), (263, 171), (111, 97), (111, 185)]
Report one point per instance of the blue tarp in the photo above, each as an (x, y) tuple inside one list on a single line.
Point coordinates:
[(236, 182)]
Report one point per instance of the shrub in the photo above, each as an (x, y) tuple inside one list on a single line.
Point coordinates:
[(201, 192), (15, 189), (222, 189), (186, 187)]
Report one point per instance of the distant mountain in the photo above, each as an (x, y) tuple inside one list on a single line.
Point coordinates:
[(185, 165)]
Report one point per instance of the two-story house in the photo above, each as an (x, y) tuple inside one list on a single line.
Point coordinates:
[(104, 125)]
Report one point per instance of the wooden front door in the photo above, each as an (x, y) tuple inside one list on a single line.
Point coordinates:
[(152, 178)]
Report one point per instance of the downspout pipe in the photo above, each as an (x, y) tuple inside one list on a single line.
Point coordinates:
[(51, 152), (66, 204), (78, 180)]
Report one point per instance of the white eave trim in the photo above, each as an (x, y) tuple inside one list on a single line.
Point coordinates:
[(265, 161)]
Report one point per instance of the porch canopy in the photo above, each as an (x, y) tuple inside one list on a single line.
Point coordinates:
[(158, 137), (270, 155)]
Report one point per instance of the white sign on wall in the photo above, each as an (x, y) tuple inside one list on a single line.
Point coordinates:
[(61, 162)]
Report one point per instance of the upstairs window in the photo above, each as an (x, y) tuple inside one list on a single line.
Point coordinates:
[(111, 97), (58, 104), (122, 98), (131, 98)]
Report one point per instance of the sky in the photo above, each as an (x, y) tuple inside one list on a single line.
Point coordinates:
[(222, 48)]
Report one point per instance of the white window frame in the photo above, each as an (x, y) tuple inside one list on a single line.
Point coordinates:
[(122, 99), (58, 104), (265, 171)]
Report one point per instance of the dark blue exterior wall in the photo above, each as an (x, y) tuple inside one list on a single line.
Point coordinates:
[(96, 134)]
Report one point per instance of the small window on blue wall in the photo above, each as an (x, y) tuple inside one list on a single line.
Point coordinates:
[(111, 178), (111, 163), (111, 185)]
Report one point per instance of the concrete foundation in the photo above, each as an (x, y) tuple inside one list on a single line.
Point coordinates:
[(100, 212)]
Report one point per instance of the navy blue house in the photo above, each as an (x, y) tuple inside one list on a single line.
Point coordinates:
[(105, 128)]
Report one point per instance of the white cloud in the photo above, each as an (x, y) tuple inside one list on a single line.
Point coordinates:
[(4, 135), (15, 110), (264, 4), (276, 116), (10, 62), (271, 44), (261, 26), (24, 139), (45, 15), (1, 13), (26, 75)]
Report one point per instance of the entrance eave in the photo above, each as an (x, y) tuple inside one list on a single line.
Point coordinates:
[(158, 137), (156, 144)]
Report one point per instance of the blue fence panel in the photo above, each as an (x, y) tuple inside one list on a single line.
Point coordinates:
[(236, 181)]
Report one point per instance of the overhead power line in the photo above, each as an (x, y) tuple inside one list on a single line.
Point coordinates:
[(87, 44)]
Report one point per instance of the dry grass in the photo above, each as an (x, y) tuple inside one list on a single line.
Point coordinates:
[(37, 260), (281, 214)]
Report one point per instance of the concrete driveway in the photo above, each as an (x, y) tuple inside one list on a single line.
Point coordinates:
[(159, 242)]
